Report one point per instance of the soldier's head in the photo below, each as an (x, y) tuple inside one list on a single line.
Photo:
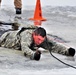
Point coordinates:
[(39, 35)]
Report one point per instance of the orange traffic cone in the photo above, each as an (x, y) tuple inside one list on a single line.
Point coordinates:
[(38, 12)]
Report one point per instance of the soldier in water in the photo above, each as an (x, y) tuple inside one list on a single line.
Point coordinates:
[(29, 39)]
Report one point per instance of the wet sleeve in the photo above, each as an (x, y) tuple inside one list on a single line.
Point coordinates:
[(25, 43), (59, 48)]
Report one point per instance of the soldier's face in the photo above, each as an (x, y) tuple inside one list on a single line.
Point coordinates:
[(38, 39)]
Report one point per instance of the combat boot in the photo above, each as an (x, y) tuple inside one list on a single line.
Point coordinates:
[(18, 10)]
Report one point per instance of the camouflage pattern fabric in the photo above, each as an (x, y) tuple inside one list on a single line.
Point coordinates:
[(10, 40), (22, 41), (17, 3)]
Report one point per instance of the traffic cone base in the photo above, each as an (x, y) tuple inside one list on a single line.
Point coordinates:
[(41, 19)]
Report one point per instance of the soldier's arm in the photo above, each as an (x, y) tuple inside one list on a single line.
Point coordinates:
[(61, 48), (25, 43)]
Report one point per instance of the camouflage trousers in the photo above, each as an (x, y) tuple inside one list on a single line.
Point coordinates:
[(17, 3)]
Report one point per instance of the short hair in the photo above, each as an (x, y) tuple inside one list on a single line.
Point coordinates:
[(41, 31)]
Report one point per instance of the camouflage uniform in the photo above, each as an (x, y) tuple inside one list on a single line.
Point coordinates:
[(12, 40), (24, 42), (17, 3)]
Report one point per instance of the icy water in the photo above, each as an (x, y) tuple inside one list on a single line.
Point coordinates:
[(61, 23)]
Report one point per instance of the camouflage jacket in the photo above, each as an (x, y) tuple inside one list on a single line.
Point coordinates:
[(24, 41)]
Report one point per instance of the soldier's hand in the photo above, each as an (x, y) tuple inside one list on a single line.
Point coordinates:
[(37, 55)]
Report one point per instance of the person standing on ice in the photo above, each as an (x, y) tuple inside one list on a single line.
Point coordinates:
[(29, 39), (18, 6)]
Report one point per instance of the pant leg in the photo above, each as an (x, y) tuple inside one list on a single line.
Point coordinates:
[(0, 2), (18, 3)]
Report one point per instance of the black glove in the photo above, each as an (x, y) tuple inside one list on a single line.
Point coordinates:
[(71, 51), (37, 55)]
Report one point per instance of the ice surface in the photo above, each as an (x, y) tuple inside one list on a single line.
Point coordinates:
[(61, 23)]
